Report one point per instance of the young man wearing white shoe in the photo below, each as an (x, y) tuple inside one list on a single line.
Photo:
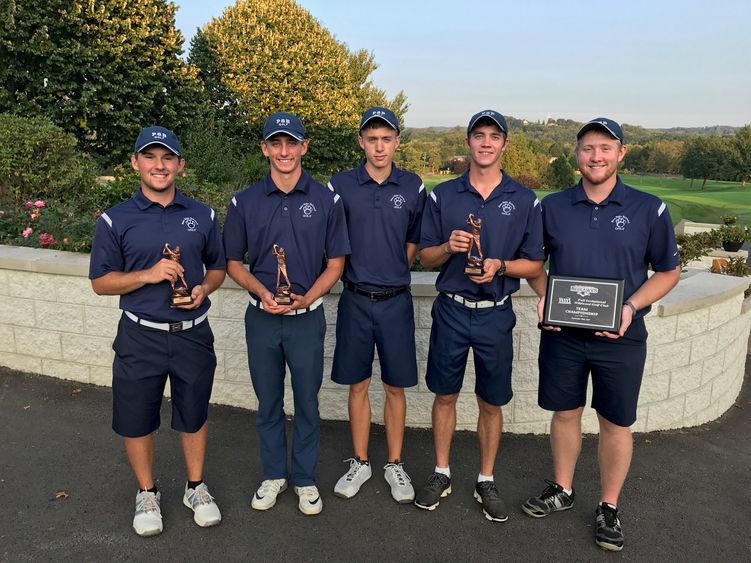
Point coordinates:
[(133, 256), (286, 210), (384, 207)]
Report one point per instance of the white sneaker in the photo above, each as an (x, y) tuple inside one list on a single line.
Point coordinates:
[(310, 501), (199, 500), (266, 494), (148, 518), (349, 484), (401, 485)]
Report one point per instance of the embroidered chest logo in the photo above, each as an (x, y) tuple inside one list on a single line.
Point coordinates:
[(506, 208), (307, 210), (191, 223), (620, 222), (398, 200)]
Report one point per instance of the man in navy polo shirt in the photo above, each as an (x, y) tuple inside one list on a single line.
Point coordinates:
[(289, 209), (476, 312), (600, 228), (154, 340), (384, 207)]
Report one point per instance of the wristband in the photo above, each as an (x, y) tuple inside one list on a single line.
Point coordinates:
[(630, 305)]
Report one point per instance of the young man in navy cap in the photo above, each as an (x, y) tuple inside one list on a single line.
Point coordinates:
[(154, 339), (475, 311), (286, 209), (384, 207), (600, 228)]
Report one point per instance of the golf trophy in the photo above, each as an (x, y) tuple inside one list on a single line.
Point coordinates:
[(282, 296), (474, 263), (180, 292)]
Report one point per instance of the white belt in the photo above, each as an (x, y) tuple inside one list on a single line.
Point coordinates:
[(476, 304), (169, 327), (317, 303)]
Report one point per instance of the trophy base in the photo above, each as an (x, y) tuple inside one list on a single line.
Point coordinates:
[(179, 300), (283, 296)]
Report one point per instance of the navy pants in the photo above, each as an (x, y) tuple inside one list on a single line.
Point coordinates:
[(276, 341)]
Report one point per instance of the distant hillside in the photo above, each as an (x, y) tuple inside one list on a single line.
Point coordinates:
[(564, 131)]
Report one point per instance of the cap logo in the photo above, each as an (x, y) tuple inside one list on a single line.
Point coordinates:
[(190, 223), (158, 135), (620, 222), (507, 208), (282, 121), (378, 113), (488, 113), (307, 209)]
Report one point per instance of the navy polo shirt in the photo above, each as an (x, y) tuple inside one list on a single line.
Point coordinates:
[(511, 229), (305, 222), (381, 219), (618, 238), (130, 237)]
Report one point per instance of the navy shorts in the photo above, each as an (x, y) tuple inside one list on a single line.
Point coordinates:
[(455, 329), (389, 326), (144, 358), (567, 358)]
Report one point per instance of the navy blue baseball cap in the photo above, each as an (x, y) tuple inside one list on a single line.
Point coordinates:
[(493, 116), (384, 114), (157, 135), (603, 124), (283, 122)]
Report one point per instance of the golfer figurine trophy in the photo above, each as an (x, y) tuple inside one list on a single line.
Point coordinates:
[(180, 292), (474, 262), (282, 296)]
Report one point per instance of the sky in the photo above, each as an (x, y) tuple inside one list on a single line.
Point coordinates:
[(656, 63)]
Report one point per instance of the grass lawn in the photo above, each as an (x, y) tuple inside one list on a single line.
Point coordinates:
[(684, 202)]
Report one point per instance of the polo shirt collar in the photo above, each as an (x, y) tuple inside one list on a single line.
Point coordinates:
[(363, 177), (505, 186), (144, 203), (617, 195), (303, 184)]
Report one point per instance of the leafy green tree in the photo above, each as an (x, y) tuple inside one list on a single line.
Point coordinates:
[(521, 162), (264, 56), (704, 158), (99, 69), (741, 154), (561, 174)]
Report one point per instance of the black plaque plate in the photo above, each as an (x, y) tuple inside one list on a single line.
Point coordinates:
[(590, 303)]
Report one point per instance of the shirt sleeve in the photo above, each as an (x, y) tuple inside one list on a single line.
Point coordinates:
[(106, 254), (213, 252), (532, 247), (337, 236), (662, 250), (413, 230), (431, 234), (235, 240)]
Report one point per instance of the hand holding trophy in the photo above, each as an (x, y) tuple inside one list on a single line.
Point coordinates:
[(474, 262), (180, 292), (283, 290)]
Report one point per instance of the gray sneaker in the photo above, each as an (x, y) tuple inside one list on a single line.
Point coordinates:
[(266, 494), (349, 484), (205, 511), (400, 483), (148, 518)]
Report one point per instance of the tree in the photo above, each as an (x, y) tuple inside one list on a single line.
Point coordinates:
[(100, 70), (271, 55), (705, 158), (561, 174), (521, 162), (741, 154), (664, 157)]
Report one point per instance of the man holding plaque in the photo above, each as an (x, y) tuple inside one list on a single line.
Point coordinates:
[(291, 228), (599, 232), (144, 248), (384, 207), (474, 311)]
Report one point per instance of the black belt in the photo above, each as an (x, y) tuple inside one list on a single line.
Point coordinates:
[(376, 295)]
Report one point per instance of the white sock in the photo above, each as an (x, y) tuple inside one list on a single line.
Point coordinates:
[(481, 478), (568, 491), (443, 471)]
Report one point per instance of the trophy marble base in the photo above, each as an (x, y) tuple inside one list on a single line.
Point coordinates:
[(179, 300)]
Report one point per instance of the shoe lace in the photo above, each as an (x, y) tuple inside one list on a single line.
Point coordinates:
[(436, 482), (609, 516), (397, 470), (550, 491), (488, 490), (309, 492), (201, 496), (148, 503), (355, 466), (269, 486)]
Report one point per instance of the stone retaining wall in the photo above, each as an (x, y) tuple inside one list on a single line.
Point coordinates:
[(52, 323)]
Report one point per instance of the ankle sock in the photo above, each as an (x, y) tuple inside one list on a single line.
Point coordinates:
[(481, 478), (194, 484), (443, 471), (151, 490)]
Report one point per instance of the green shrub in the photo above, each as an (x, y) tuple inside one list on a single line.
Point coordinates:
[(694, 246)]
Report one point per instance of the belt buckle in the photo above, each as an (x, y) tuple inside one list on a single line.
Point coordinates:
[(176, 327)]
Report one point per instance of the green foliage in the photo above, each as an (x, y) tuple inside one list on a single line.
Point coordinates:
[(39, 160), (736, 266), (740, 154), (254, 61), (100, 70), (733, 233), (561, 174), (707, 157), (523, 163), (694, 246)]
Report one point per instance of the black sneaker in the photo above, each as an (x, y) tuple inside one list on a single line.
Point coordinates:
[(437, 487), (608, 533), (492, 505), (552, 499)]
